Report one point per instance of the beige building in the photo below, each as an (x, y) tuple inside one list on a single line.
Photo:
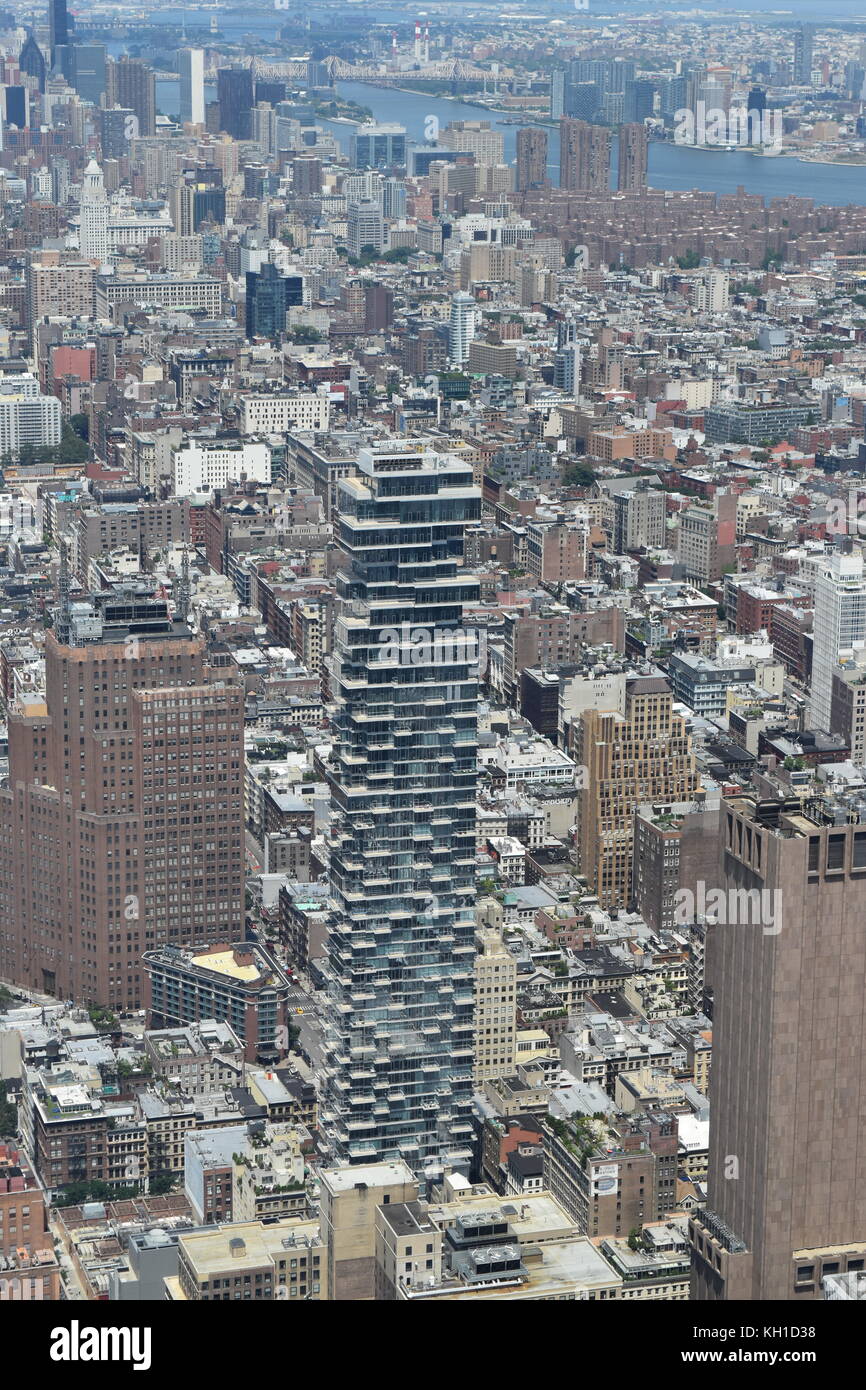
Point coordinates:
[(59, 286), (475, 137), (250, 1262), (350, 1197), (495, 1006), (643, 755)]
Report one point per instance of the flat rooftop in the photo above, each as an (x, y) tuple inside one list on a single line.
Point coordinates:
[(209, 1252), (224, 963), (367, 1175)]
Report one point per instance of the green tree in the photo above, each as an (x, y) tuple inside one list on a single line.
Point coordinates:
[(578, 475), (304, 334), (8, 1113)]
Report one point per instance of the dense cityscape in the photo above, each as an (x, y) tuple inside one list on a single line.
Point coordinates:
[(433, 661)]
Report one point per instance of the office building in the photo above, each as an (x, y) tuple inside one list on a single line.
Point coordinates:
[(633, 158), (642, 755), (31, 61), (741, 422), (531, 159), (170, 291), (269, 295), (93, 239), (16, 107), (278, 412), (786, 1205), (85, 67), (839, 624), (235, 100), (366, 226), (584, 156), (378, 146), (58, 27), (122, 824), (399, 1040), (190, 66)]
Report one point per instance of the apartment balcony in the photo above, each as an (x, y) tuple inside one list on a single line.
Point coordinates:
[(359, 1101)]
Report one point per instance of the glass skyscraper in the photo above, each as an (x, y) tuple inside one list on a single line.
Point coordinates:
[(399, 1032), (269, 295)]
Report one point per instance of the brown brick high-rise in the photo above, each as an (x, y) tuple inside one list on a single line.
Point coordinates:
[(633, 158), (122, 825), (584, 156), (787, 1172), (531, 159)]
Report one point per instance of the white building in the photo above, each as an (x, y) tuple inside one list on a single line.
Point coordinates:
[(510, 855), (128, 227), (278, 413), (26, 416), (190, 66), (201, 465), (710, 292), (529, 760), (93, 238), (840, 622), (461, 328), (366, 226)]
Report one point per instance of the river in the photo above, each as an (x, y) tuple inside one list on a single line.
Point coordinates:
[(670, 166)]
